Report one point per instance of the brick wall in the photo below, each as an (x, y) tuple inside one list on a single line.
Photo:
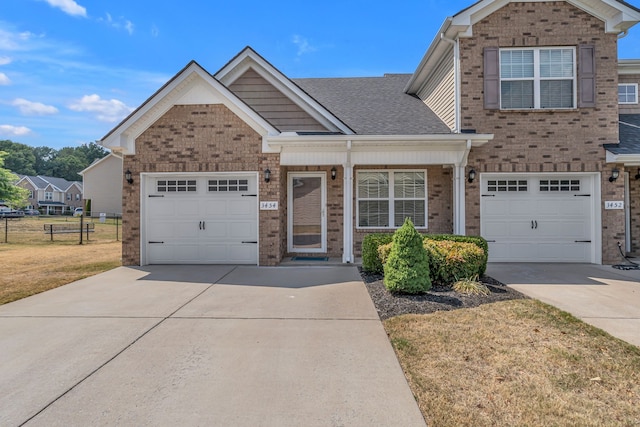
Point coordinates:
[(439, 208), (547, 141), (634, 206), (201, 138)]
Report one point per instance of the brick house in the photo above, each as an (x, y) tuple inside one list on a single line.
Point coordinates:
[(51, 195), (501, 131)]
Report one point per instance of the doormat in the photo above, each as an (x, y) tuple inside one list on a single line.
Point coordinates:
[(309, 258)]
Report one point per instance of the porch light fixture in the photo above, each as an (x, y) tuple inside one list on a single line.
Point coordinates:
[(334, 172), (267, 175), (614, 175), (128, 177), (472, 175), (638, 174)]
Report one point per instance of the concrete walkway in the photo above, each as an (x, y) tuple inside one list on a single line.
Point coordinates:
[(598, 294), (202, 345)]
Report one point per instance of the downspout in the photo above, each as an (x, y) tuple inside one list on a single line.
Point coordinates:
[(347, 208), (456, 79)]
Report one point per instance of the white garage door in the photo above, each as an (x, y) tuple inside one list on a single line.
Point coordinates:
[(538, 218), (209, 219)]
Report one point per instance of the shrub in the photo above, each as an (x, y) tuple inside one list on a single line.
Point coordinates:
[(477, 240), (370, 261), (407, 267), (471, 286), (449, 260), (384, 251)]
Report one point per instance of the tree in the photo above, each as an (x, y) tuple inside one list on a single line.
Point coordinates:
[(10, 193), (19, 159), (407, 267)]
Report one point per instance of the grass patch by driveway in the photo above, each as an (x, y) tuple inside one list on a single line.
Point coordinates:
[(518, 362), (31, 263)]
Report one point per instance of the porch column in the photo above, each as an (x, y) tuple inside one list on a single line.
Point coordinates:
[(458, 200), (347, 209)]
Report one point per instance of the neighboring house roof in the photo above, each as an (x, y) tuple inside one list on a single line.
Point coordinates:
[(98, 161), (629, 129), (41, 182), (374, 105)]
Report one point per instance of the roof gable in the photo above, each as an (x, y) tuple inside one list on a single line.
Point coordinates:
[(192, 85), (248, 59), (618, 17)]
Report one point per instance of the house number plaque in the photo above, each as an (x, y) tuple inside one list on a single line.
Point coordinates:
[(268, 206), (614, 205)]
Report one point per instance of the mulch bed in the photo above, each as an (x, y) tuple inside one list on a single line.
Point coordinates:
[(439, 298)]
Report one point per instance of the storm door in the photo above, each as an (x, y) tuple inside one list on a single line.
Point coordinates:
[(307, 225)]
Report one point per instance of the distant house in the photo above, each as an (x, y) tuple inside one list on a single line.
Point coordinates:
[(102, 183), (50, 195)]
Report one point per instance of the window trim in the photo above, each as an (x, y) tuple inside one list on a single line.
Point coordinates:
[(391, 199), (635, 86), (537, 78)]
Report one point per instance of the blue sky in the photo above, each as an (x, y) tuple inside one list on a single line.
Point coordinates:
[(70, 70)]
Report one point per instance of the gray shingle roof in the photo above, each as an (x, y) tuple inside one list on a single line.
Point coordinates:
[(374, 105), (629, 128)]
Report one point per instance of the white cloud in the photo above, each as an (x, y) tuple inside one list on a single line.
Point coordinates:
[(14, 130), (69, 7), (4, 80), (303, 45), (4, 60), (120, 24), (155, 31), (14, 40), (30, 108), (110, 110)]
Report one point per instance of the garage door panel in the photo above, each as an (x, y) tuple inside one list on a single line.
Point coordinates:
[(527, 224), (203, 226)]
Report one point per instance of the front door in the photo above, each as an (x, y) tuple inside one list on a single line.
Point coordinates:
[(307, 212)]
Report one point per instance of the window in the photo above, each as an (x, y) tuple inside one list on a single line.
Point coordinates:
[(560, 185), (77, 196), (386, 198), (174, 185), (628, 93), (31, 194), (222, 185), (537, 78), (69, 196), (508, 185), (48, 195)]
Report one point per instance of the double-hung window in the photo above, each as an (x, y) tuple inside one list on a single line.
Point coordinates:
[(386, 198), (537, 78), (48, 195), (628, 93)]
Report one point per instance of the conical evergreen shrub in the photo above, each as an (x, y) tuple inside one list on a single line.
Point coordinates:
[(407, 267)]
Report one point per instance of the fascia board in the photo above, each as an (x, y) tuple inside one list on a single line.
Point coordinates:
[(250, 59), (628, 66), (626, 159), (123, 139), (433, 54), (476, 140)]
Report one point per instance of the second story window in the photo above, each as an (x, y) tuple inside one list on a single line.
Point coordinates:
[(77, 197), (69, 196), (628, 93), (31, 194), (48, 195), (537, 78)]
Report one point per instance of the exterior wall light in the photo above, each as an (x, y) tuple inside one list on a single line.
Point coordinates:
[(614, 175), (638, 174), (128, 177), (267, 175), (334, 172), (472, 175)]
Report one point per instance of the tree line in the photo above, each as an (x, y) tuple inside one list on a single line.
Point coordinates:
[(63, 163)]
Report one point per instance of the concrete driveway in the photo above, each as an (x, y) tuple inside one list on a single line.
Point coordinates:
[(202, 345), (598, 294)]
